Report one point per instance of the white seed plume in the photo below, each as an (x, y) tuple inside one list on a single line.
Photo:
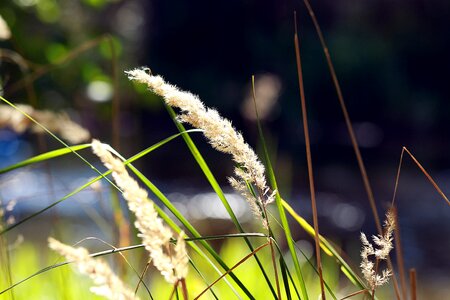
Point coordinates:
[(13, 118), (384, 243), (5, 33), (172, 262), (58, 123), (107, 284), (220, 133)]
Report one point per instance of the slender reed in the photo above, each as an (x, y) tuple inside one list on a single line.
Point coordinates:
[(351, 131), (308, 158), (413, 283), (272, 250), (348, 122), (399, 255)]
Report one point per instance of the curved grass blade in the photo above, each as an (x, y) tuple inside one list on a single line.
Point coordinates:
[(284, 276), (326, 247), (178, 215), (188, 226), (217, 189), (216, 256), (44, 156), (278, 201), (328, 288), (68, 262), (122, 249), (234, 267), (102, 175), (204, 279), (74, 192), (51, 134)]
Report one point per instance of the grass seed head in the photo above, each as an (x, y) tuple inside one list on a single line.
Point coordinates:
[(381, 252), (156, 237), (220, 133), (107, 284)]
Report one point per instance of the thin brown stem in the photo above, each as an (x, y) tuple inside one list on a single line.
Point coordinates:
[(272, 252), (184, 290), (124, 228), (351, 132), (147, 265), (372, 292), (308, 158), (116, 97), (348, 122), (355, 294), (174, 290), (44, 69), (397, 178), (428, 176), (399, 254), (232, 268), (413, 283)]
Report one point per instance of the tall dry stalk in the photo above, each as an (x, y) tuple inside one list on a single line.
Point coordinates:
[(309, 160)]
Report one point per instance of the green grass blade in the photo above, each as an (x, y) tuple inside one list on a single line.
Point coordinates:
[(284, 221), (102, 175), (107, 252), (50, 133), (35, 214), (102, 253), (218, 190), (226, 236), (204, 166), (188, 226), (44, 157), (211, 290), (197, 249), (284, 276), (327, 286), (326, 247)]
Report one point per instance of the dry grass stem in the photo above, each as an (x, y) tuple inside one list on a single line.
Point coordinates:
[(172, 262), (57, 122), (381, 252), (413, 283), (107, 284), (221, 135)]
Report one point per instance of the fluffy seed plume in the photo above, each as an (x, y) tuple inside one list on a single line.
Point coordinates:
[(172, 262), (59, 123), (5, 33), (107, 284), (220, 133), (384, 246)]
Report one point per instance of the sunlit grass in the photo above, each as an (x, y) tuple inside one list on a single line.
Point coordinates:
[(255, 260)]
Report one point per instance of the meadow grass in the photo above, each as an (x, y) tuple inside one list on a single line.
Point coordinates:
[(292, 284), (162, 254)]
